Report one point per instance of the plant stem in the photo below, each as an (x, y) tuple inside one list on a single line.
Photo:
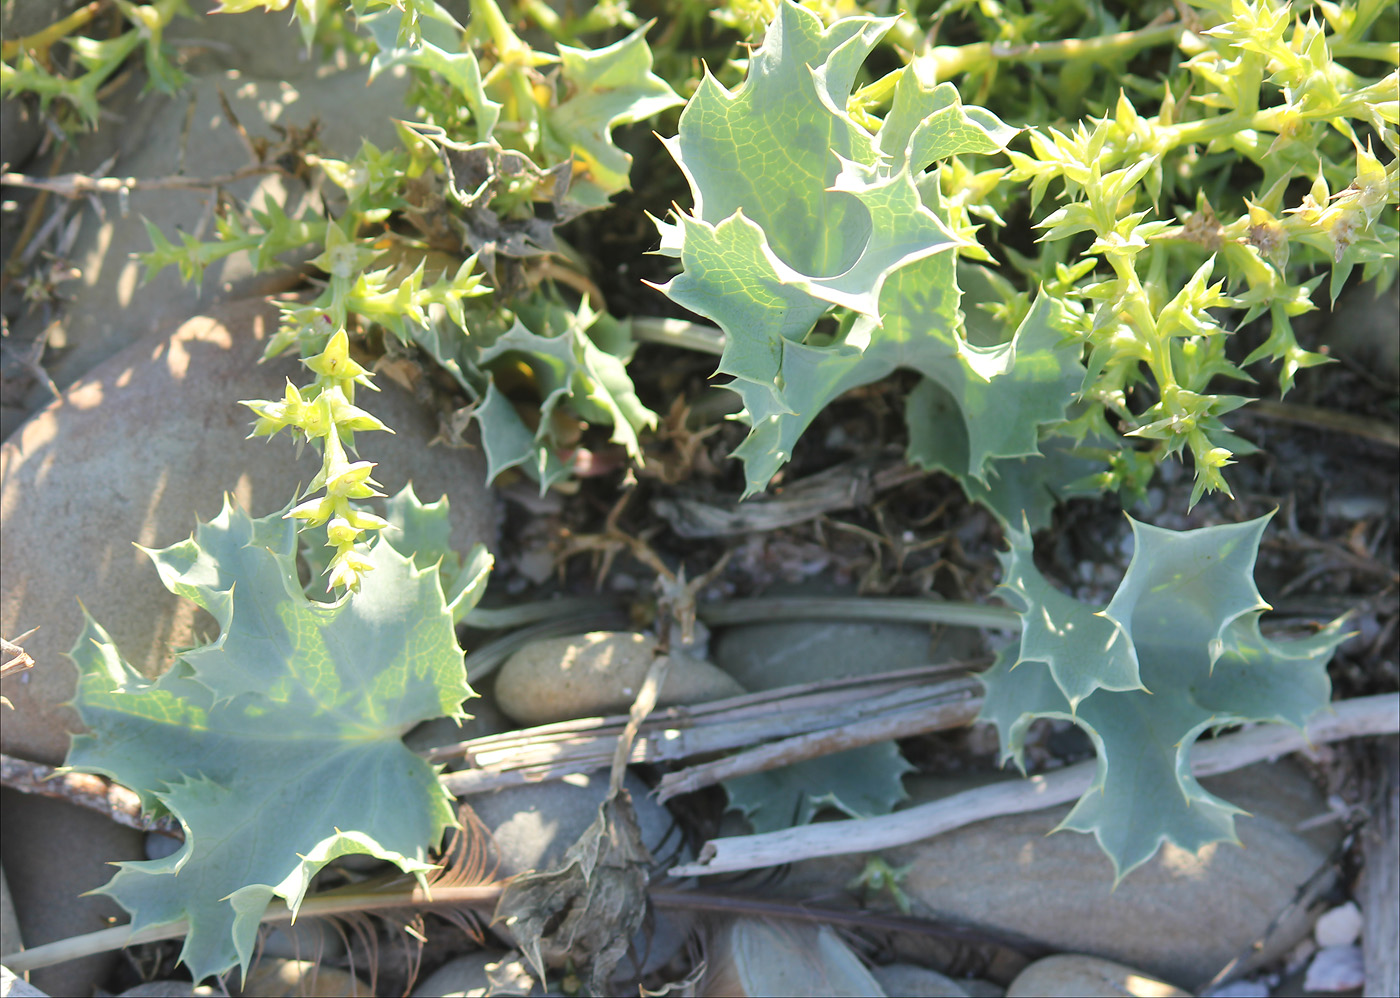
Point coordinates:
[(550, 618), (504, 617), (483, 897), (678, 333), (951, 60), (1376, 715), (41, 41), (921, 611)]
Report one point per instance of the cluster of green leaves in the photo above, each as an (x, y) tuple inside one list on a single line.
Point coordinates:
[(1177, 652), (448, 242), (800, 211), (278, 745), (1266, 89), (833, 238), (28, 65), (823, 239)]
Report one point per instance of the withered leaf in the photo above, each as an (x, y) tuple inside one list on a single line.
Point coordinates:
[(589, 908)]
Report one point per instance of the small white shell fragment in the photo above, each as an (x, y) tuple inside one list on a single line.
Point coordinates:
[(1339, 927), (1336, 968)]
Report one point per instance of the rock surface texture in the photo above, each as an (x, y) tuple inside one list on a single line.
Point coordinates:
[(585, 675), (1180, 917), (259, 66), (55, 853), (1070, 975), (135, 452)]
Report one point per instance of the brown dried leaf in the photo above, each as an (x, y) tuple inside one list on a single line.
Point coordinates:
[(590, 908)]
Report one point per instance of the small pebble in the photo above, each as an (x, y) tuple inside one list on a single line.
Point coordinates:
[(584, 675), (170, 989), (913, 981), (1357, 507), (481, 973), (1336, 968), (1074, 975), (1299, 956), (1339, 927)]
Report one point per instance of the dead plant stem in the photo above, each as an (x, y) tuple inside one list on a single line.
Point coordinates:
[(1362, 716)]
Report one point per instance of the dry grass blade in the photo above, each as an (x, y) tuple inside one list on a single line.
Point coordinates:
[(846, 486)]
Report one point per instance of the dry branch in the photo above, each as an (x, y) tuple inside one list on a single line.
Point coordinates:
[(95, 793), (80, 185), (936, 710), (553, 751), (403, 893), (1375, 715)]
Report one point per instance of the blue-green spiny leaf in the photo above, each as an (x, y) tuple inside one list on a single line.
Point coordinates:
[(799, 210), (1176, 653), (277, 746), (861, 782)]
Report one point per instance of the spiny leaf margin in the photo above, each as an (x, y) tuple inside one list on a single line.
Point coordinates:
[(799, 210), (1177, 652), (272, 775)]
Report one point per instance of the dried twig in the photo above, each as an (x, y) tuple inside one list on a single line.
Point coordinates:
[(935, 713), (553, 751), (850, 485), (92, 792), (403, 893), (36, 211), (16, 660), (1346, 719), (80, 185), (1379, 430)]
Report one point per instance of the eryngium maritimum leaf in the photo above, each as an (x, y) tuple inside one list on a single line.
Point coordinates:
[(1176, 653), (278, 745)]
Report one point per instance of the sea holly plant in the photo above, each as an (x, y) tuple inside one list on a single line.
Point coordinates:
[(805, 244), (860, 782), (448, 243), (802, 215), (1176, 653), (277, 746)]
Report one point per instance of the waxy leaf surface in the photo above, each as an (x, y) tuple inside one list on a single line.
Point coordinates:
[(860, 782), (277, 745), (574, 357), (1176, 653), (800, 211)]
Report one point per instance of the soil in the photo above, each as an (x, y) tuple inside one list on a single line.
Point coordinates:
[(1332, 547)]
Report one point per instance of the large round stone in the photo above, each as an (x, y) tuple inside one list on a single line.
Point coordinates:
[(585, 675), (1181, 916)]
